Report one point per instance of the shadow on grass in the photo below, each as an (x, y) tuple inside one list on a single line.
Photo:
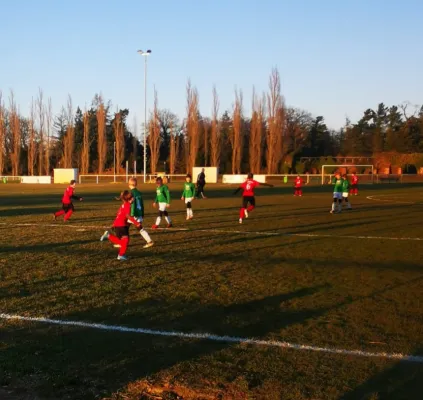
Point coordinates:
[(68, 362), (403, 381)]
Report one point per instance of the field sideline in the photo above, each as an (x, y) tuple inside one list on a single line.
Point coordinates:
[(292, 273)]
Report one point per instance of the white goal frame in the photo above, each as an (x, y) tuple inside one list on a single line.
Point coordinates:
[(347, 166)]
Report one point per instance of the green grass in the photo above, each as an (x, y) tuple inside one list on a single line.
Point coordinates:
[(349, 293)]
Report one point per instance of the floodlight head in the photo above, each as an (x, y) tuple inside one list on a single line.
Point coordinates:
[(144, 53)]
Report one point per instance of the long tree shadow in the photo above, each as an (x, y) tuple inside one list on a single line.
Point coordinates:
[(403, 381), (86, 363)]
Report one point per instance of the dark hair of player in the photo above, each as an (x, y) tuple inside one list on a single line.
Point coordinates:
[(250, 175), (159, 179), (72, 182), (126, 195), (189, 176)]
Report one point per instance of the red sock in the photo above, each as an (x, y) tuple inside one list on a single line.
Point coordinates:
[(68, 215), (300, 192), (59, 213), (123, 245), (250, 208), (114, 239), (242, 213)]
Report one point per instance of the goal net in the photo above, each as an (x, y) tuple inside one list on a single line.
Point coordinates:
[(364, 172)]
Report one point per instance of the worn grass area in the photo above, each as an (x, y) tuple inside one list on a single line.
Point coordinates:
[(218, 277)]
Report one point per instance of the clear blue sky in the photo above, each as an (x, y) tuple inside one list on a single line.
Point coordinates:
[(335, 57)]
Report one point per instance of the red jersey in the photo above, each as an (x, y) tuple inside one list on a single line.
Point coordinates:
[(69, 195), (122, 215), (354, 179), (249, 185), (298, 182)]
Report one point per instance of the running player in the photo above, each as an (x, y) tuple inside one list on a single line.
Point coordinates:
[(188, 195), (163, 200), (354, 184), (298, 184), (345, 191), (67, 205), (248, 199), (137, 210), (121, 226), (337, 182)]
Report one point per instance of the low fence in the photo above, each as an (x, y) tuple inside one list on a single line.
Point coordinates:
[(150, 178)]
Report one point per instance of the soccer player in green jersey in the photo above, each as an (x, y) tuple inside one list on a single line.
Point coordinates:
[(337, 182), (188, 194), (137, 210), (163, 201), (346, 190)]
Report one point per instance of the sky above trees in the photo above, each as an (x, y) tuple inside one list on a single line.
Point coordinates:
[(335, 58)]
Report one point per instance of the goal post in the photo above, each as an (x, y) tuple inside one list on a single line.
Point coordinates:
[(365, 171)]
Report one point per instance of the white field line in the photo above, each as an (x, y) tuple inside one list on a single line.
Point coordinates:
[(217, 338), (316, 235), (374, 198)]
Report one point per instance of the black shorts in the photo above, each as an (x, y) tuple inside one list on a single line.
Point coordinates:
[(67, 207), (248, 200), (353, 187), (121, 231)]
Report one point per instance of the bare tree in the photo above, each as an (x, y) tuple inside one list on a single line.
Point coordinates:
[(31, 141), (85, 154), (154, 138), (102, 139), (69, 140), (236, 134), (206, 130), (41, 123), (15, 128), (215, 137), (49, 119), (119, 139), (134, 140), (174, 147), (275, 123), (2, 133), (192, 128), (256, 134)]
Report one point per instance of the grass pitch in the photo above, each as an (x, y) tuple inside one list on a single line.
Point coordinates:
[(355, 284)]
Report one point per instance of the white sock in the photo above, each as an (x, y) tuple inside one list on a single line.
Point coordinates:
[(168, 220), (333, 206), (145, 235), (188, 212), (158, 220), (191, 214)]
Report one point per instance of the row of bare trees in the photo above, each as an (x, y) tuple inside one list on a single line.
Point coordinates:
[(230, 140)]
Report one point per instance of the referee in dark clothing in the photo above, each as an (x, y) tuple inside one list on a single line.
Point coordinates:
[(201, 182)]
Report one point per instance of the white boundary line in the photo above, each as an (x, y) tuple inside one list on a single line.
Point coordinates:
[(373, 198), (311, 235), (217, 338)]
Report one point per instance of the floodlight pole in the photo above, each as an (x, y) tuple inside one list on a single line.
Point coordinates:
[(145, 54)]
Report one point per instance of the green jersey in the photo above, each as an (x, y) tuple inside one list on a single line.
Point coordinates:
[(137, 206), (345, 186), (162, 194), (337, 185), (189, 190)]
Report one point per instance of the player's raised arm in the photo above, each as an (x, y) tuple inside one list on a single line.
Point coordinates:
[(266, 184), (238, 189)]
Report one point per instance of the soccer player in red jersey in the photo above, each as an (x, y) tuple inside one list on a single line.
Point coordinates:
[(121, 225), (298, 183), (248, 199), (67, 205), (354, 184)]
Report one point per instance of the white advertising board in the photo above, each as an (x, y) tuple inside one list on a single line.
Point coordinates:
[(36, 179), (211, 174), (65, 175), (241, 178)]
